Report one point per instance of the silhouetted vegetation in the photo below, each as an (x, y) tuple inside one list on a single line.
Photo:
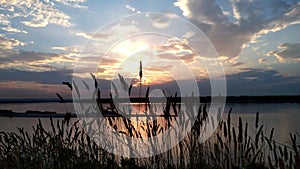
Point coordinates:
[(68, 145)]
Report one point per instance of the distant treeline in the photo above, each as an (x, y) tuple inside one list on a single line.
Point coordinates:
[(204, 99), (33, 113)]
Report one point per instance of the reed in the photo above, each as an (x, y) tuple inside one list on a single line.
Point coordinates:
[(67, 145)]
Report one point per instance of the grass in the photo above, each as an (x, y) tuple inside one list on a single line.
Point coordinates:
[(67, 145)]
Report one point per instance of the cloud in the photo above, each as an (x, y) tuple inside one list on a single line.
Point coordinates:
[(131, 8), (185, 57), (237, 64), (38, 13), (174, 50), (37, 61), (45, 77), (286, 51), (109, 33), (256, 82), (174, 46), (4, 19), (159, 68), (29, 84), (21, 89), (73, 3), (29, 60), (252, 19), (261, 60), (83, 34), (183, 5), (160, 21), (13, 30), (261, 82), (74, 49), (9, 43), (6, 23), (168, 56)]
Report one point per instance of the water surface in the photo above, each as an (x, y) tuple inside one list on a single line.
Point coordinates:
[(284, 117)]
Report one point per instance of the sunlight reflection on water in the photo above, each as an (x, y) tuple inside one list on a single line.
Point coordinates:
[(283, 117)]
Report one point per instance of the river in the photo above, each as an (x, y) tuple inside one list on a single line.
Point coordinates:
[(284, 117)]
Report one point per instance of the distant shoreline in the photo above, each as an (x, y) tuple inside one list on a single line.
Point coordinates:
[(229, 99), (204, 99), (30, 113)]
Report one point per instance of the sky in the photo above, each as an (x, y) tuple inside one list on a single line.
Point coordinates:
[(43, 43)]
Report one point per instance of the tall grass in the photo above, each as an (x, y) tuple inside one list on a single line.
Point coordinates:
[(67, 145)]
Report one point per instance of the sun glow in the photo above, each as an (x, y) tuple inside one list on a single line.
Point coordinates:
[(129, 47)]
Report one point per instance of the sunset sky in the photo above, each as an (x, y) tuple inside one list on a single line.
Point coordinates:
[(258, 42)]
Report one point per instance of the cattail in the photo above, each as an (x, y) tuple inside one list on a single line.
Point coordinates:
[(147, 92), (98, 94), (281, 163), (256, 120), (129, 90), (61, 99), (235, 143), (225, 130), (95, 80), (212, 122), (141, 76), (141, 70), (286, 155), (123, 82), (291, 158), (220, 140), (67, 84), (115, 89), (245, 135), (270, 145), (86, 85), (240, 136), (270, 162), (257, 136), (271, 135), (228, 125), (275, 153), (280, 150), (52, 125)]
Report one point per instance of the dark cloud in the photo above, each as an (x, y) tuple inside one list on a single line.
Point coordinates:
[(237, 64), (25, 56), (43, 66), (252, 19), (287, 51), (37, 92), (46, 77), (261, 82), (38, 61), (247, 82)]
